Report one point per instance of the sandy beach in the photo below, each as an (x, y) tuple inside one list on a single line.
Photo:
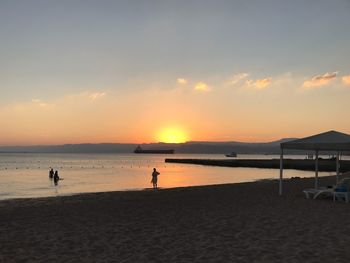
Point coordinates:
[(246, 222)]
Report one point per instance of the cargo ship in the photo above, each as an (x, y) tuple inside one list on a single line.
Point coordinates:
[(161, 151)]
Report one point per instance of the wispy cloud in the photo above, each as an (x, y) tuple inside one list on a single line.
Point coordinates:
[(181, 81), (96, 95), (202, 86), (39, 103), (319, 80), (346, 80), (237, 78), (262, 83), (259, 83)]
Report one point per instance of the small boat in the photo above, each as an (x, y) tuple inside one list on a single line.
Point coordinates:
[(161, 151), (232, 154)]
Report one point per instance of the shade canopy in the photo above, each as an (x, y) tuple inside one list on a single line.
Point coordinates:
[(327, 141)]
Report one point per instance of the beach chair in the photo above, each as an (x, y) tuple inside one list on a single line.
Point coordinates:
[(342, 190), (338, 192), (314, 193)]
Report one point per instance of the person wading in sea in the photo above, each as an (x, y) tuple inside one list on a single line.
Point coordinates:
[(51, 173), (155, 178), (56, 178)]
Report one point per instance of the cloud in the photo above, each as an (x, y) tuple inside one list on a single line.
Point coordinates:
[(346, 80), (181, 81), (259, 83), (238, 78), (39, 103), (319, 80), (96, 95), (262, 83), (201, 86)]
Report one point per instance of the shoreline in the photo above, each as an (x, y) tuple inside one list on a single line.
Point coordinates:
[(147, 189), (151, 189)]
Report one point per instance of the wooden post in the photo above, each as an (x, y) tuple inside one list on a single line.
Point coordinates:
[(281, 172), (316, 170)]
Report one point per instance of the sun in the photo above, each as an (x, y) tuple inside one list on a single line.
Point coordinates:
[(172, 135)]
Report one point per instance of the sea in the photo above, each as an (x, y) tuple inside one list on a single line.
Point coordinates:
[(26, 175)]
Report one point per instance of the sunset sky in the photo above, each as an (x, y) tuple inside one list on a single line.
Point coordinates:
[(157, 70)]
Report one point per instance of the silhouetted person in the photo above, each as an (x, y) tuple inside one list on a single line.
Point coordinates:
[(56, 178), (155, 178), (51, 173)]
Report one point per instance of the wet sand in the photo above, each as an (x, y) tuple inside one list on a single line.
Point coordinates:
[(245, 222)]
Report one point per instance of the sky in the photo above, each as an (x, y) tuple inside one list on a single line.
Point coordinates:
[(97, 71)]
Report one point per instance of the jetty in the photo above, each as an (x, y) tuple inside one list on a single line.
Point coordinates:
[(324, 165)]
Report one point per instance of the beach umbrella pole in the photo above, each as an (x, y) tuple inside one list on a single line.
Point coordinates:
[(337, 167), (316, 170), (281, 173)]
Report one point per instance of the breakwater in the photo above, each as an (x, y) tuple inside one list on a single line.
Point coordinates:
[(298, 164)]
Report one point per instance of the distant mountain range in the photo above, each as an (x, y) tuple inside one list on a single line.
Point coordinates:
[(187, 147)]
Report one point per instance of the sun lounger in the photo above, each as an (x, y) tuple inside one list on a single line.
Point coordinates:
[(314, 193), (310, 192), (340, 191)]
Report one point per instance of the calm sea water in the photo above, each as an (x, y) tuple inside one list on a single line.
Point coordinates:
[(24, 175)]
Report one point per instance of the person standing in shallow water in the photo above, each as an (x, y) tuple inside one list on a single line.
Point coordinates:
[(51, 173), (154, 180)]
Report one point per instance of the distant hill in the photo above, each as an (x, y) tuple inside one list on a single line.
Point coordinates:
[(227, 147), (188, 147), (73, 148)]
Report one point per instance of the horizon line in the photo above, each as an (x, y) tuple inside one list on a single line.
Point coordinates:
[(132, 143)]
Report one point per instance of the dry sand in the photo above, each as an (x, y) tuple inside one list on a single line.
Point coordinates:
[(245, 222)]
